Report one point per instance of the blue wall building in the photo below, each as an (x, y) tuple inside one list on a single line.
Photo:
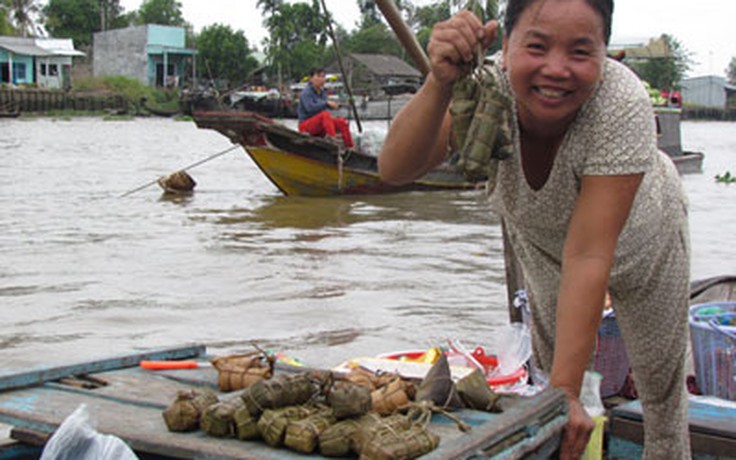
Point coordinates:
[(45, 62), (153, 54)]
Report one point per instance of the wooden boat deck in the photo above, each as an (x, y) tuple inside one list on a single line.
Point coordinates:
[(127, 401)]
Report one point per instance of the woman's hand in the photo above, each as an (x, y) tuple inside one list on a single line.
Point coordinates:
[(577, 431), (454, 43)]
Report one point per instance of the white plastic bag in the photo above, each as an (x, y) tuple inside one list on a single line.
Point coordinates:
[(515, 349), (590, 394), (77, 439)]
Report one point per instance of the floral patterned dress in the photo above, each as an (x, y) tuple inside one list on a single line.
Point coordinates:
[(613, 134)]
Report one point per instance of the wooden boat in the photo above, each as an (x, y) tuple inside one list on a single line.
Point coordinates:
[(374, 109), (127, 401), (269, 104), (715, 289), (669, 140), (300, 164)]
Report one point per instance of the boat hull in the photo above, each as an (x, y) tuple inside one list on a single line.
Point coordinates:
[(304, 165)]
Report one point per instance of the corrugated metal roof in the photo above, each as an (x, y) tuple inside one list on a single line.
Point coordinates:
[(39, 46), (385, 64), (27, 48)]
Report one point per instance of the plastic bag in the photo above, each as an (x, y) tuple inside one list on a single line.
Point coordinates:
[(516, 348), (77, 439), (590, 394)]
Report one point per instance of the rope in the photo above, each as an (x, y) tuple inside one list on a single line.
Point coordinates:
[(193, 165), (339, 170)]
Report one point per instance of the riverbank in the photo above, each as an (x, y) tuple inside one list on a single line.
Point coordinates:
[(709, 114), (107, 95)]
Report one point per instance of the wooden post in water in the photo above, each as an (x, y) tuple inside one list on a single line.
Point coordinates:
[(514, 275)]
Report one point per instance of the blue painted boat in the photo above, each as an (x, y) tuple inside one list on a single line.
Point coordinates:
[(127, 401)]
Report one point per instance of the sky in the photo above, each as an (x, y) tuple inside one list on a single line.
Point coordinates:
[(705, 28)]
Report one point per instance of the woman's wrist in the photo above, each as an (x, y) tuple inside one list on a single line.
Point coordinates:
[(437, 89)]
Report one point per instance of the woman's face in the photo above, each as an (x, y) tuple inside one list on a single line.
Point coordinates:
[(554, 58)]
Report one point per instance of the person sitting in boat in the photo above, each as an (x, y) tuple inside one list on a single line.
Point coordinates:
[(314, 118), (588, 202)]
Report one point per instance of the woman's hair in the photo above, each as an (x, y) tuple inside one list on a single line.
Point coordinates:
[(514, 9)]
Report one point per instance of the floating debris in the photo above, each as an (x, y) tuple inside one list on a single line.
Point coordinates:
[(177, 183), (726, 178)]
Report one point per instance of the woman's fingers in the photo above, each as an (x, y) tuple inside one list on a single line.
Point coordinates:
[(490, 31), (577, 431), (454, 43)]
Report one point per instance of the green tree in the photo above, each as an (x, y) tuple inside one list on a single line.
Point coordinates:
[(163, 12), (425, 17), (21, 15), (293, 28), (79, 19), (664, 72), (731, 71), (224, 54), (111, 15), (75, 19), (375, 38), (5, 26), (369, 13)]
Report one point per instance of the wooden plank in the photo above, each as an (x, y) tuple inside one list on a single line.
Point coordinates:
[(42, 409), (700, 443), (704, 418), (527, 424), (38, 377), (136, 386)]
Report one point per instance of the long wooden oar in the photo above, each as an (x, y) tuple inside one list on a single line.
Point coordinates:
[(193, 165)]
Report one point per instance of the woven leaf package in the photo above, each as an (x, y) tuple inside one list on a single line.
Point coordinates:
[(280, 391), (303, 435), (184, 413), (349, 400), (241, 371), (218, 419), (386, 400)]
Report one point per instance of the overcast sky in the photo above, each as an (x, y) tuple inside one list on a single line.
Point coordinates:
[(706, 28)]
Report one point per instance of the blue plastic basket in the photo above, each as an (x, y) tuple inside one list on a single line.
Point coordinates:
[(714, 348)]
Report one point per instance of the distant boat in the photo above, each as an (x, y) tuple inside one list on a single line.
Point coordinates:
[(669, 140), (301, 164)]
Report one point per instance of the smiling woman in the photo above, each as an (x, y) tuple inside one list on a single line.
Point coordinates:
[(590, 205)]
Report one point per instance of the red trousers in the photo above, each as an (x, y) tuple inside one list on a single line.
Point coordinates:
[(323, 124)]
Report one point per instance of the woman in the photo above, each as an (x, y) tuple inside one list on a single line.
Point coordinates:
[(589, 202)]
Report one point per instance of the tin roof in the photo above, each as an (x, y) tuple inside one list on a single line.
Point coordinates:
[(25, 46), (39, 46), (386, 65)]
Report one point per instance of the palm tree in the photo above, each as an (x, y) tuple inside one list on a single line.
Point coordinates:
[(21, 13), (5, 28)]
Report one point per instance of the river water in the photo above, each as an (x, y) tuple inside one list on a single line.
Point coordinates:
[(85, 273)]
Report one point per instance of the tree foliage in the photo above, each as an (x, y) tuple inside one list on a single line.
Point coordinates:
[(665, 72), (224, 54), (293, 29), (6, 27), (21, 14), (731, 71), (163, 12), (79, 19), (375, 38)]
